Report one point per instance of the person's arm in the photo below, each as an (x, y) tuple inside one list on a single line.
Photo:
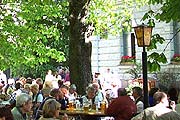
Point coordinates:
[(172, 105), (65, 117), (139, 116), (113, 108), (140, 106)]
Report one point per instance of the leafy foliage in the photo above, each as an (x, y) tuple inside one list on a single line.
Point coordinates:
[(135, 71), (169, 10), (176, 58), (112, 16), (33, 34)]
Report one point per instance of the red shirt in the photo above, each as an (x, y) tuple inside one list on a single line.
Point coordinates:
[(122, 108)]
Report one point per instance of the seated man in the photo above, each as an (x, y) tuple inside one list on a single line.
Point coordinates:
[(122, 107), (23, 106), (138, 96), (99, 97), (160, 111)]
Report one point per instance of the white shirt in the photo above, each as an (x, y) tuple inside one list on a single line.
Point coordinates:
[(140, 106)]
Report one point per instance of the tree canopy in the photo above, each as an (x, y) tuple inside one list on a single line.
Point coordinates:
[(33, 34)]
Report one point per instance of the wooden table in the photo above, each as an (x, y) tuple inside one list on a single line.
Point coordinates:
[(75, 112)]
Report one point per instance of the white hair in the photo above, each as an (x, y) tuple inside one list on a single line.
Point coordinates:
[(22, 98)]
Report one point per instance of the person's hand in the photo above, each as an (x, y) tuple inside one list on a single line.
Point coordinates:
[(65, 117), (173, 105)]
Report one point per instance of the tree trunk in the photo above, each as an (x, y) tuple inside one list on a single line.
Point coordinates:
[(79, 51)]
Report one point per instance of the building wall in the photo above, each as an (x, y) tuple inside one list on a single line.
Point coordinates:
[(107, 53)]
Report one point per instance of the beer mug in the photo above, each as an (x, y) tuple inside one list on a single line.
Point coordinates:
[(71, 105), (103, 106), (86, 107)]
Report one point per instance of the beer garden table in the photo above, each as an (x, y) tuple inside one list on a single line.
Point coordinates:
[(81, 113)]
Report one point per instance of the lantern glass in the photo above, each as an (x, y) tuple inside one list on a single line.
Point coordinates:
[(143, 35)]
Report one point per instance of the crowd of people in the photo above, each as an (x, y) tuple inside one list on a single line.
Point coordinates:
[(28, 99)]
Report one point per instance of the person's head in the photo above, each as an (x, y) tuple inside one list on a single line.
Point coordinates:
[(96, 75), (5, 113), (96, 86), (22, 80), (137, 92), (121, 92), (51, 109), (34, 88), (161, 97), (39, 81), (173, 94), (24, 102), (27, 87), (56, 93), (72, 88), (49, 72), (48, 84), (46, 92), (153, 90), (64, 89), (29, 80), (18, 85), (91, 92)]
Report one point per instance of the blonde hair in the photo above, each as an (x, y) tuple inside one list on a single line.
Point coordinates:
[(50, 107), (35, 86), (47, 84), (27, 86)]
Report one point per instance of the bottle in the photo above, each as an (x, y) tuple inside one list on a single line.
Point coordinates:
[(90, 104), (78, 107), (97, 105)]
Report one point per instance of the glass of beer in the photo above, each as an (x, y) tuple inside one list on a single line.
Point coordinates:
[(103, 106), (71, 105), (86, 107)]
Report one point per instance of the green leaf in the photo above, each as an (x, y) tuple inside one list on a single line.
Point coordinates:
[(153, 66)]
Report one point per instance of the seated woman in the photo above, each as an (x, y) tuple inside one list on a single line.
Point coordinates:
[(88, 100), (72, 92), (89, 97), (37, 97), (51, 111)]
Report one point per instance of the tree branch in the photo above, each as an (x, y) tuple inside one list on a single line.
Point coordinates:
[(171, 40)]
